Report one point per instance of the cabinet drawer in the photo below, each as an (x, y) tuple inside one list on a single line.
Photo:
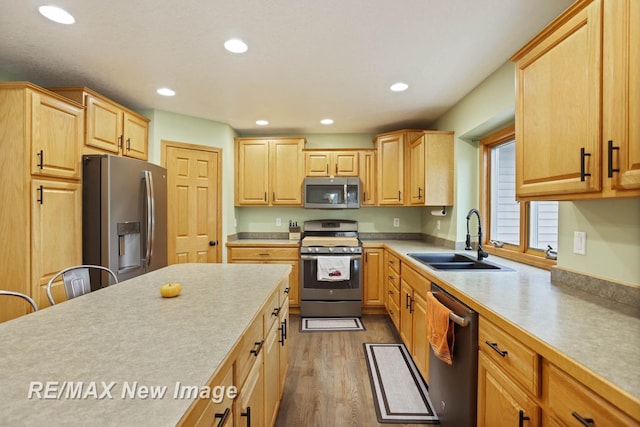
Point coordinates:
[(267, 254), (510, 355), (394, 312), (271, 310), (394, 263), (219, 405), (565, 397), (252, 342), (393, 290)]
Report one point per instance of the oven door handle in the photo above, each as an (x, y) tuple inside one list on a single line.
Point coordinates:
[(315, 257)]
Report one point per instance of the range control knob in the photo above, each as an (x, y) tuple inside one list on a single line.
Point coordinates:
[(330, 249), (353, 249)]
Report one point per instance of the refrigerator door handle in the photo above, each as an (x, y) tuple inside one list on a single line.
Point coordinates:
[(148, 179)]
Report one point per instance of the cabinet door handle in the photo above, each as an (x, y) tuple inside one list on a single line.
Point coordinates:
[(120, 141), (336, 169), (494, 346), (128, 144), (364, 196), (274, 196), (522, 418), (610, 169), (399, 195), (248, 415), (419, 193), (40, 159), (407, 301), (223, 417), (587, 422), (256, 350), (40, 198), (583, 154), (411, 306), (213, 243), (283, 332), (265, 196)]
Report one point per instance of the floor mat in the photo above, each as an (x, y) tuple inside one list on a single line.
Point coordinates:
[(316, 324), (399, 392)]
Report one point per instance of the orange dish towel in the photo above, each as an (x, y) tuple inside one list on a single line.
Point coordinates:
[(440, 329)]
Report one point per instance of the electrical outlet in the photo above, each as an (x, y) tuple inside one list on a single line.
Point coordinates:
[(438, 225), (580, 242), (396, 222), (278, 222)]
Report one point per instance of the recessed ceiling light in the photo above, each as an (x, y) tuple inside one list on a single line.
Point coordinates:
[(165, 91), (399, 87), (56, 14), (262, 122), (236, 46), (326, 121)]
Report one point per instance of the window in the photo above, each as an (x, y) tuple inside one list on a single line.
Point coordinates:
[(525, 229)]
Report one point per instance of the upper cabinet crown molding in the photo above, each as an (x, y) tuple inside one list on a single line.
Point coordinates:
[(110, 127), (564, 124)]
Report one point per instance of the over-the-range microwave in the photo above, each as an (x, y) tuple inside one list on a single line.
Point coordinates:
[(332, 193)]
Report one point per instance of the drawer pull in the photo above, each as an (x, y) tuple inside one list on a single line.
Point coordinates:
[(286, 290), (390, 292), (494, 345), (587, 422), (248, 415), (275, 311), (256, 350), (264, 254), (392, 277), (223, 417), (522, 418)]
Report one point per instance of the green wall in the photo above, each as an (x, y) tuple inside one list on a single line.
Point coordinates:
[(612, 226)]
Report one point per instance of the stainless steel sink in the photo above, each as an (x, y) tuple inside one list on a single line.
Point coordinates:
[(456, 262)]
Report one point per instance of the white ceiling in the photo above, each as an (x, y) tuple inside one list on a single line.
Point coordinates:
[(307, 59)]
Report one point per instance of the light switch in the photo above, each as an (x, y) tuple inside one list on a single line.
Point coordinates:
[(278, 222), (580, 242)]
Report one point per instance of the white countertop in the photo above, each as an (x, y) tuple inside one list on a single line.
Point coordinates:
[(128, 334)]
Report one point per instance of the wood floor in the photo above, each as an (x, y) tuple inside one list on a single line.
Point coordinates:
[(328, 383)]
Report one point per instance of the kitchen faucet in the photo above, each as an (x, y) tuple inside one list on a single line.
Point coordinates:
[(481, 252)]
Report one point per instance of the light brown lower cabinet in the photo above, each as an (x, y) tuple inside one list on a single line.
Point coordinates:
[(518, 387), (500, 401), (373, 273), (256, 367)]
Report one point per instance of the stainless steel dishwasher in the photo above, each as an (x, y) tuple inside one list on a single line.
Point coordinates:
[(453, 388)]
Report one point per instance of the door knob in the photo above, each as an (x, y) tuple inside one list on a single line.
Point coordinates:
[(213, 242)]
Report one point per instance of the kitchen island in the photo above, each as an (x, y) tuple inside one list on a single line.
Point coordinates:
[(117, 355)]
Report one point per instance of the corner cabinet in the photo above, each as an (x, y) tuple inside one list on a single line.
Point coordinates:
[(368, 174), (564, 125), (110, 127), (40, 169), (431, 169), (269, 172)]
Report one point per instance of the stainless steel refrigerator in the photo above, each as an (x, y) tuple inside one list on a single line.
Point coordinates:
[(124, 215)]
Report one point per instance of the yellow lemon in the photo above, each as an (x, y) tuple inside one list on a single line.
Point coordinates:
[(170, 290)]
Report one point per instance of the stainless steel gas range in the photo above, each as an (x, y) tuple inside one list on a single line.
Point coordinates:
[(331, 269)]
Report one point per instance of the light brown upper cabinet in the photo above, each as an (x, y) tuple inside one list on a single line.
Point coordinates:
[(110, 127), (431, 169), (577, 89), (330, 163), (269, 171), (368, 173), (392, 153)]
